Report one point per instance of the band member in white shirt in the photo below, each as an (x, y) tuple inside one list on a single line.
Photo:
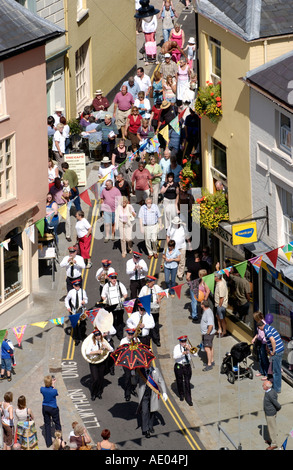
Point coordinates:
[(103, 273), (151, 288), (182, 369), (75, 302), (96, 347), (136, 268), (130, 381), (74, 265), (114, 293), (142, 320)]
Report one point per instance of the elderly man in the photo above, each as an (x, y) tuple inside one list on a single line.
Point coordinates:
[(271, 406), (165, 165), (109, 134), (221, 303), (207, 329), (168, 67), (110, 199), (123, 102), (150, 221), (143, 81), (100, 103), (132, 87)]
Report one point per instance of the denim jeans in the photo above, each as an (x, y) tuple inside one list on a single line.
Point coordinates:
[(277, 374), (166, 34), (76, 201), (170, 273), (194, 306), (263, 360)]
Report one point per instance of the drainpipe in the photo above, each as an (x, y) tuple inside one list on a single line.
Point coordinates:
[(265, 52), (66, 64)]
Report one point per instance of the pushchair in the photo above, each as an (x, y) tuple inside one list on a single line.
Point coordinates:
[(231, 363)]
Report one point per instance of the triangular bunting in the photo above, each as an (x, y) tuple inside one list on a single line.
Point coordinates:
[(95, 190), (128, 305), (177, 289), (273, 256), (85, 197), (40, 224), (74, 319), (256, 262), (146, 302), (57, 321), (165, 133), (63, 211), (227, 271), (210, 281), (18, 240), (91, 314), (19, 332), (288, 255), (40, 324), (6, 243), (175, 125), (241, 268), (30, 232)]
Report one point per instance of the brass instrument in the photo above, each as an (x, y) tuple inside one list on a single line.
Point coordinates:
[(192, 349), (138, 328), (95, 358)]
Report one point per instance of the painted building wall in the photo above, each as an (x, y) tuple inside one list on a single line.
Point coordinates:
[(109, 29)]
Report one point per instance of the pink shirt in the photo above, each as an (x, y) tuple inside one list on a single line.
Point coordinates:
[(110, 199), (141, 179), (124, 102)]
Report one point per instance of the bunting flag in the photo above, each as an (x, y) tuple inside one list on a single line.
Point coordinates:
[(177, 289), (165, 133), (241, 268), (18, 240), (227, 271), (284, 445), (155, 143), (19, 332), (287, 250), (85, 197), (40, 224), (175, 125), (40, 324), (165, 293), (2, 335), (210, 281), (273, 256), (30, 232), (91, 314), (256, 262), (146, 302), (74, 319), (95, 190), (63, 211), (6, 243), (128, 305), (57, 321)]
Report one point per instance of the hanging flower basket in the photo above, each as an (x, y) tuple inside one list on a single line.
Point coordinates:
[(208, 102), (188, 176), (210, 210)]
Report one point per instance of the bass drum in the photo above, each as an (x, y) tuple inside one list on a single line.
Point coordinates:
[(97, 358)]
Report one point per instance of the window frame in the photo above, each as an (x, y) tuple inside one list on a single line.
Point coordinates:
[(12, 194), (285, 148), (214, 44), (85, 69), (217, 173)]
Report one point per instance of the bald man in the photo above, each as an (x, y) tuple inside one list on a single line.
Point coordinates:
[(271, 406)]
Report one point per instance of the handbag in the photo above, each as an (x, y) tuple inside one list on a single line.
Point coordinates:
[(27, 434), (84, 445)]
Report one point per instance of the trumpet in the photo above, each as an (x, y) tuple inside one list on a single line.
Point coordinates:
[(192, 349)]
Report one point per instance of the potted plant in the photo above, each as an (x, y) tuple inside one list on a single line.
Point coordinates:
[(209, 102), (75, 132), (188, 177), (210, 210)]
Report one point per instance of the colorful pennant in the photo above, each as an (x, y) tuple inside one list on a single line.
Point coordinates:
[(85, 197), (19, 332)]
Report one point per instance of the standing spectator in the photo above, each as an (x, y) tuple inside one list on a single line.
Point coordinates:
[(141, 183), (157, 87), (168, 67), (167, 14), (58, 113), (72, 178), (84, 121), (191, 130), (58, 146), (123, 102), (109, 201), (109, 134), (7, 420), (183, 78), (150, 220), (106, 169), (169, 89), (53, 173), (171, 260), (207, 329), (51, 126), (52, 217), (84, 237), (66, 133), (144, 133), (94, 138), (23, 416), (136, 269), (143, 81), (123, 186), (221, 303), (192, 277), (100, 103), (156, 174), (177, 35), (271, 406), (155, 114), (66, 197), (190, 48), (165, 164), (149, 27), (143, 104), (50, 409), (132, 125), (132, 87), (242, 294), (57, 192), (275, 347), (74, 265), (170, 191), (105, 444), (6, 361), (261, 348), (176, 232), (124, 216)]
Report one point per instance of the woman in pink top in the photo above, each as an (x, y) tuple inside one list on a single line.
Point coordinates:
[(261, 348), (183, 77), (177, 34)]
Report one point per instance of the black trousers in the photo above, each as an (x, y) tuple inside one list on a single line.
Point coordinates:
[(145, 340), (147, 417), (118, 322), (136, 286), (183, 376), (50, 413), (69, 280), (97, 373), (128, 385), (155, 332)]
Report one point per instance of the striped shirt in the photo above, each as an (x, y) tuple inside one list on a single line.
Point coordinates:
[(272, 332), (149, 216)]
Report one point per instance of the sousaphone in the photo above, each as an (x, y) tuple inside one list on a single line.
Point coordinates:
[(103, 322)]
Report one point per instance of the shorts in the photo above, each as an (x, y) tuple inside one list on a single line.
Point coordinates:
[(109, 217), (207, 341), (6, 364), (221, 312)]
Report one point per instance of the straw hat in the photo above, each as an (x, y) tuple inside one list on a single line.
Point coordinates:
[(165, 104), (98, 92)]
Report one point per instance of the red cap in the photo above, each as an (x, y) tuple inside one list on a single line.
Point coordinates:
[(182, 338), (151, 278)]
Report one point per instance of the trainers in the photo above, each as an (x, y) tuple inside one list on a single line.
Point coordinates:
[(89, 265), (207, 368)]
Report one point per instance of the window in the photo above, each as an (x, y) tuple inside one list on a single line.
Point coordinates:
[(11, 267), (82, 10), (285, 133), (218, 160), (286, 202), (2, 92), (215, 60), (7, 185), (82, 77)]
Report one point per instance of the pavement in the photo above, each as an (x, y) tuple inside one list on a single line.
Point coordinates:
[(236, 408)]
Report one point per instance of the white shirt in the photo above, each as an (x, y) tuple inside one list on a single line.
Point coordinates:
[(95, 347), (112, 293), (149, 26), (127, 340), (145, 290), (70, 299), (110, 171), (66, 131), (178, 235), (82, 226), (58, 137), (99, 272), (144, 83), (179, 356), (130, 269), (147, 319), (77, 268)]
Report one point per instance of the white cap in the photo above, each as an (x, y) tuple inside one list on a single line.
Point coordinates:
[(167, 55)]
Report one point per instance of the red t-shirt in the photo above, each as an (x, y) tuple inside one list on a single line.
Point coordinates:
[(141, 179)]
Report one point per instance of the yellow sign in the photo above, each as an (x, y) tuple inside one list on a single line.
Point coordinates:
[(244, 233)]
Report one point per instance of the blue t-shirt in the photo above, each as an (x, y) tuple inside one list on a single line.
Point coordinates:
[(5, 350), (269, 332), (49, 394)]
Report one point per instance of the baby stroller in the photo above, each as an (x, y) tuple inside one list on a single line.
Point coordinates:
[(231, 363)]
